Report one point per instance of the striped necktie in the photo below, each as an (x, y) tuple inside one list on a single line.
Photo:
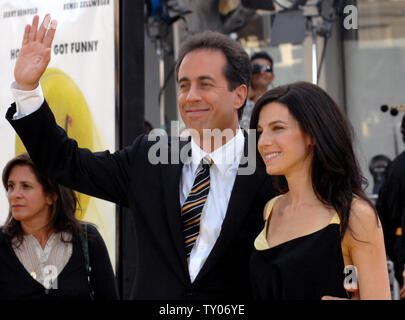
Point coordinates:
[(192, 207)]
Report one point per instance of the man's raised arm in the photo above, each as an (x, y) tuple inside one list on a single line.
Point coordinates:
[(100, 174)]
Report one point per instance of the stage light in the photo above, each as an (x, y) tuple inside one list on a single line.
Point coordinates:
[(290, 4), (394, 110), (166, 10), (288, 26)]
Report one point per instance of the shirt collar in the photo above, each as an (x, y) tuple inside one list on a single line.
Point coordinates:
[(224, 157)]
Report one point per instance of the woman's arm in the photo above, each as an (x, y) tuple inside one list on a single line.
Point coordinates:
[(364, 242), (102, 275)]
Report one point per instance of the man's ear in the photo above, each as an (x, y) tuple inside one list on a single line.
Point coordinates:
[(240, 96)]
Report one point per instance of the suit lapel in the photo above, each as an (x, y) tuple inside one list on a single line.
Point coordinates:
[(243, 193), (171, 174)]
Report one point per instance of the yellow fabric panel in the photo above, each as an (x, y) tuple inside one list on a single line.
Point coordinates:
[(261, 241)]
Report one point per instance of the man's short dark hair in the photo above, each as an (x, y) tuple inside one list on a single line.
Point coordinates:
[(262, 55), (237, 69)]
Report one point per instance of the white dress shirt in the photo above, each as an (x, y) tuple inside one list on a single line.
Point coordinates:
[(222, 174), (26, 101), (44, 264)]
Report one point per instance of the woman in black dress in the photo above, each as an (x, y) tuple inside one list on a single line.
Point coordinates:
[(322, 221), (43, 246)]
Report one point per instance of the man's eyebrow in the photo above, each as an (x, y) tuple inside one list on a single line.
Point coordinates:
[(183, 79), (204, 77)]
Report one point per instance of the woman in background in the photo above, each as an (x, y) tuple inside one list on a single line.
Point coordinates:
[(322, 221), (42, 251)]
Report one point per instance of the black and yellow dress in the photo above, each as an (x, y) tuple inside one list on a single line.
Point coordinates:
[(307, 267)]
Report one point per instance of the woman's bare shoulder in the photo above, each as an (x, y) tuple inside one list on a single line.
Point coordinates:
[(363, 222)]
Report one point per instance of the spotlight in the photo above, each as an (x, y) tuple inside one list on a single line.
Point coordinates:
[(166, 10), (384, 108), (290, 4), (394, 110)]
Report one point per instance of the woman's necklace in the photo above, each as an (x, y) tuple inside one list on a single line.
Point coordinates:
[(33, 269), (32, 244)]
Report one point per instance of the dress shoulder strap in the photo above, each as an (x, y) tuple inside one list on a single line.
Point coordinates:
[(269, 207), (335, 219)]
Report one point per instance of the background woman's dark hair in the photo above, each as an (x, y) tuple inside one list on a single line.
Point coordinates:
[(336, 174), (62, 210), (238, 68)]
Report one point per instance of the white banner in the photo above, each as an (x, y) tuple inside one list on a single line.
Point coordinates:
[(79, 84)]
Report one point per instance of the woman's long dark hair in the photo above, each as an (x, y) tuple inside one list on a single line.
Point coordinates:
[(336, 175), (62, 210)]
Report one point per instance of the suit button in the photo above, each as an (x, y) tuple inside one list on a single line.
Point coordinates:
[(189, 291)]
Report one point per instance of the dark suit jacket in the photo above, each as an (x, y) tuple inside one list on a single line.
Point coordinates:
[(390, 206), (127, 177)]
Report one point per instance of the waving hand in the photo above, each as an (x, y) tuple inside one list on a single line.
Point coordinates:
[(35, 52)]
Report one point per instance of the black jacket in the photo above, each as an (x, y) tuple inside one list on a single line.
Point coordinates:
[(127, 177), (17, 284), (391, 209)]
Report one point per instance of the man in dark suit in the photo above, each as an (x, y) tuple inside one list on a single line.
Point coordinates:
[(390, 206), (212, 261)]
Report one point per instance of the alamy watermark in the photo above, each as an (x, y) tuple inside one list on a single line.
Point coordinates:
[(350, 281), (351, 19), (50, 277), (174, 149)]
